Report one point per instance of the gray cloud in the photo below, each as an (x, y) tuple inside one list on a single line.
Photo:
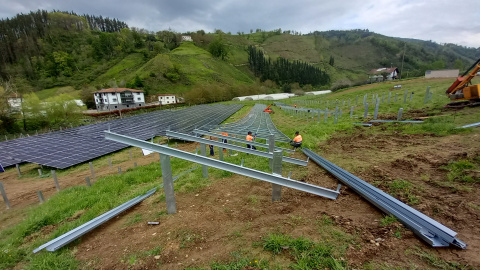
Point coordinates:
[(437, 20)]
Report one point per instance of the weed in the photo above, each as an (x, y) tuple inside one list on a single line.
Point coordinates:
[(387, 220), (474, 206), (134, 219), (305, 253), (187, 238), (457, 171), (53, 260), (252, 199), (398, 233), (437, 262), (403, 188), (425, 177)]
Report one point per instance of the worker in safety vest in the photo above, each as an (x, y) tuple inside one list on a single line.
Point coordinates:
[(224, 140), (250, 138), (297, 141)]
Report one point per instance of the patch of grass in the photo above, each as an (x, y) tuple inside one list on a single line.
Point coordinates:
[(187, 238), (404, 189), (243, 263), (53, 260), (387, 220), (457, 171), (436, 262), (134, 219), (305, 253), (253, 199)]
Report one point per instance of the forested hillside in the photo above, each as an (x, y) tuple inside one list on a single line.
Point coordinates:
[(50, 50)]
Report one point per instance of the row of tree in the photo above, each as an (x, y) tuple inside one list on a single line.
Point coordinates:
[(283, 71)]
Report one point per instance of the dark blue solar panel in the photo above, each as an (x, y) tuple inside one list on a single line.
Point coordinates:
[(65, 148)]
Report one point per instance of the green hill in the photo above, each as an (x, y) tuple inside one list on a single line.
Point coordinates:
[(63, 49)]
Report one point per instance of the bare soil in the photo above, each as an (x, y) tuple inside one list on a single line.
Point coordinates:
[(233, 214)]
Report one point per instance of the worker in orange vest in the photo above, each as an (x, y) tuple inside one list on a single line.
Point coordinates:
[(297, 141), (250, 138), (224, 140)]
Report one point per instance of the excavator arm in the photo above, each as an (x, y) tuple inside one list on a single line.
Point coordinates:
[(463, 80)]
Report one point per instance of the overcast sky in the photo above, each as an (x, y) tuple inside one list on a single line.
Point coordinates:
[(442, 21)]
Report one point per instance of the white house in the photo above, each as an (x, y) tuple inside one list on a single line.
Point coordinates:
[(15, 101), (187, 38), (118, 98), (384, 74), (166, 99)]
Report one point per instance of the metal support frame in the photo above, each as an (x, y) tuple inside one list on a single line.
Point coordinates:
[(277, 169), (68, 237), (234, 139), (425, 227), (203, 152), (396, 121), (234, 147), (471, 125), (267, 177), (168, 183)]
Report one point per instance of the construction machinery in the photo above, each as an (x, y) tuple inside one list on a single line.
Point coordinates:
[(268, 110), (462, 92)]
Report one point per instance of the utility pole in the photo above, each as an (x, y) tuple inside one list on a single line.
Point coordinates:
[(403, 57)]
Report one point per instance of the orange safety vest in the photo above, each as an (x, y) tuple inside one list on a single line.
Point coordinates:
[(224, 134), (249, 138), (298, 138)]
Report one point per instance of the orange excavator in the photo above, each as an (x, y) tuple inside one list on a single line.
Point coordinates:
[(268, 110), (462, 92)]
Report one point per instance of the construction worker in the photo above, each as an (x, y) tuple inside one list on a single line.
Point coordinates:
[(250, 138), (212, 153), (224, 140), (297, 141)]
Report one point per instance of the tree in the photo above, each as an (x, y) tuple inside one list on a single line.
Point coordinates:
[(218, 49), (332, 61), (62, 110), (459, 64)]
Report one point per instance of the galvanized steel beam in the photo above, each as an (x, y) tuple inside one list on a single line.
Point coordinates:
[(233, 139), (425, 227), (233, 147), (68, 237), (271, 178)]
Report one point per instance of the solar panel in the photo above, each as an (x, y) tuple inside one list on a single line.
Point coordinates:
[(65, 148)]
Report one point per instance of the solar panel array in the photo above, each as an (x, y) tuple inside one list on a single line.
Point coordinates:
[(257, 121), (65, 148)]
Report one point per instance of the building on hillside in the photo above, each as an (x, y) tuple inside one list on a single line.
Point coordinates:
[(186, 38), (442, 73), (118, 98), (15, 102), (384, 74), (167, 99)]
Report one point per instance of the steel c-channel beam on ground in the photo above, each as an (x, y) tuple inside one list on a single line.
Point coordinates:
[(207, 133), (425, 227), (271, 178), (71, 235), (234, 147)]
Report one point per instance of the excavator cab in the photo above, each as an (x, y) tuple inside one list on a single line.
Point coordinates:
[(461, 92)]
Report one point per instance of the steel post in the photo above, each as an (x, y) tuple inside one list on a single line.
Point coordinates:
[(277, 169), (18, 170), (40, 196), (55, 179), (4, 195), (220, 150), (91, 169), (366, 111), (399, 115), (87, 179), (271, 149), (377, 104), (203, 152), (168, 183)]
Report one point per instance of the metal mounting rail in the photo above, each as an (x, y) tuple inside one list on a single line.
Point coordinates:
[(203, 132), (233, 147), (471, 125), (397, 121), (267, 177), (431, 231), (70, 236)]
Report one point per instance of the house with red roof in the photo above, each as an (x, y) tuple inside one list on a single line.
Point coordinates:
[(118, 98)]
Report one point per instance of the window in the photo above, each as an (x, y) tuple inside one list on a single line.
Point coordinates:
[(168, 97), (128, 106), (161, 97), (139, 98), (139, 105), (115, 107), (114, 99), (105, 100)]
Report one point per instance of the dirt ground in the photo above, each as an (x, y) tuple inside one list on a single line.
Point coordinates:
[(232, 214)]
